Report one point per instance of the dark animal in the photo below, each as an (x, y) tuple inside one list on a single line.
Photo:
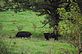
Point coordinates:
[(23, 34), (51, 35), (80, 51)]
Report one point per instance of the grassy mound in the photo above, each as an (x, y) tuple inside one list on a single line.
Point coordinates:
[(11, 22), (34, 46)]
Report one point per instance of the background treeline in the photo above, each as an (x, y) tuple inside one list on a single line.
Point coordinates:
[(18, 5)]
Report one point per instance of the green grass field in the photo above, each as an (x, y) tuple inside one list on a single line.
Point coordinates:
[(11, 23), (35, 46)]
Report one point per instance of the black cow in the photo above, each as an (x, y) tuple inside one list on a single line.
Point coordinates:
[(80, 51), (51, 35), (23, 34)]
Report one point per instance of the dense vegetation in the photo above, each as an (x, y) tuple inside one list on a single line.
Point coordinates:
[(61, 17)]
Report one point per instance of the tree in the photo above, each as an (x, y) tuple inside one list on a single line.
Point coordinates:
[(50, 7), (80, 5), (62, 10), (71, 24)]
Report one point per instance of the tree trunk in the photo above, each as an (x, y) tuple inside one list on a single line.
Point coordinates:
[(80, 5)]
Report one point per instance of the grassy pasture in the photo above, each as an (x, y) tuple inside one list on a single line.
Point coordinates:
[(10, 22), (35, 46)]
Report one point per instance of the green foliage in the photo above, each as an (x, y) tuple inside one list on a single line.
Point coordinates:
[(34, 46), (66, 27), (70, 25)]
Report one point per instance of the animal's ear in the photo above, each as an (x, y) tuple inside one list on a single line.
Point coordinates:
[(30, 34)]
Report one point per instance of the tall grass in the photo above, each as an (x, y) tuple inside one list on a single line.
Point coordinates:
[(34, 46)]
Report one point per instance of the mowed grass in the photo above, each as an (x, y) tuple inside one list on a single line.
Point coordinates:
[(25, 21), (35, 46)]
